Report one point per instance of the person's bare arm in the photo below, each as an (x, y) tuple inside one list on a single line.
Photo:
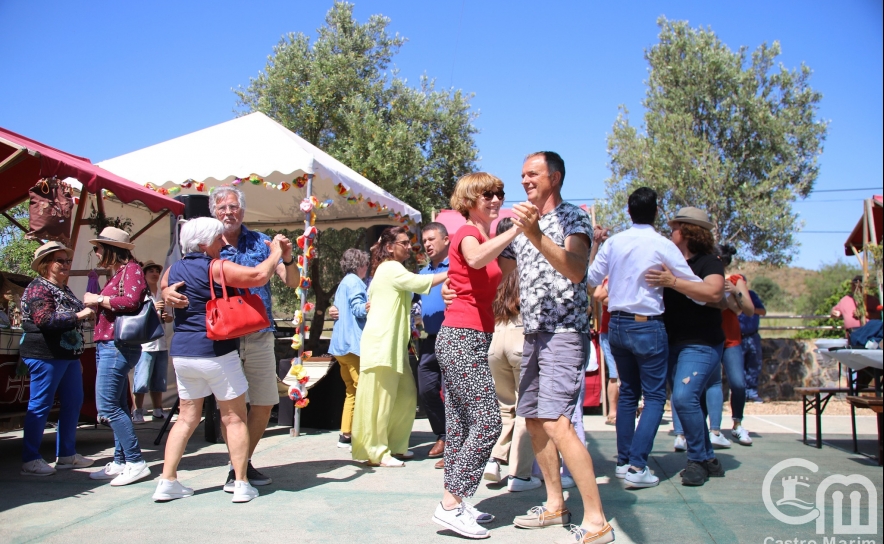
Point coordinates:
[(478, 255), (240, 276), (601, 295), (439, 278), (740, 294), (288, 273), (570, 261), (710, 290)]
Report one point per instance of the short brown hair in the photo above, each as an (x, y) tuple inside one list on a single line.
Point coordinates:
[(700, 241), (469, 188)]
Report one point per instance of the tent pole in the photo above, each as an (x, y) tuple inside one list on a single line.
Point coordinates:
[(296, 424), (78, 217), (866, 220), (163, 214), (13, 221)]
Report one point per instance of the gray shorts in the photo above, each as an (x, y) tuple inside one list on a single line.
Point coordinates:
[(552, 370)]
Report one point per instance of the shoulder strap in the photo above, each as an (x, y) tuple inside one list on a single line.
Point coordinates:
[(212, 279)]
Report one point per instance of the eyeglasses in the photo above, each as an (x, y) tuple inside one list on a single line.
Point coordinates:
[(489, 195), (228, 209), (403, 243), (67, 262)]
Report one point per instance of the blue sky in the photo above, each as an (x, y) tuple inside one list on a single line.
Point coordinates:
[(103, 78)]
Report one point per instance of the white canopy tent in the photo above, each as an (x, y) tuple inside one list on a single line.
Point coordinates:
[(256, 144)]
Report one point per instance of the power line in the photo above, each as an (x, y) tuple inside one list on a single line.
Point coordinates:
[(845, 190), (824, 232), (590, 199)]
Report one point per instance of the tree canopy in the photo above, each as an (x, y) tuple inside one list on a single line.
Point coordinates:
[(341, 94), (725, 131)]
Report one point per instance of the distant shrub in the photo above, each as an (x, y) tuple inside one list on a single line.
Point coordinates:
[(824, 308), (772, 295)]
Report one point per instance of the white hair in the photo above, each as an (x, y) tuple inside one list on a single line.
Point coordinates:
[(199, 231), (221, 192)]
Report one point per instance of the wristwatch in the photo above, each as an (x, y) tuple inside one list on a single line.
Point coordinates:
[(100, 299), (290, 261)]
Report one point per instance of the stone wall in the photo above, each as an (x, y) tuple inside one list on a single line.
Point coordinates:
[(788, 364)]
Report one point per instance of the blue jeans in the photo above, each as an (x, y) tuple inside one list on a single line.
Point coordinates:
[(48, 377), (114, 361), (732, 364), (641, 350), (752, 362), (692, 366), (151, 372)]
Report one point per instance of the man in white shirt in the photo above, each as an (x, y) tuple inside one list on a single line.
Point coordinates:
[(636, 331)]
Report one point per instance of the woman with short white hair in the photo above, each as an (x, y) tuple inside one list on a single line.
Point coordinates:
[(205, 367)]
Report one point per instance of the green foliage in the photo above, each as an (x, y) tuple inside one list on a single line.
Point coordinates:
[(772, 295), (819, 287), (16, 253), (98, 221), (339, 95), (823, 307), (724, 131)]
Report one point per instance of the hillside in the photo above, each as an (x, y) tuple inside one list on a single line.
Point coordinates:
[(792, 280)]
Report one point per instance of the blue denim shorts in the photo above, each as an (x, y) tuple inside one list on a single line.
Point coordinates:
[(151, 372)]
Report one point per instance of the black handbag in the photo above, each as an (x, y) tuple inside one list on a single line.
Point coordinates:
[(139, 327)]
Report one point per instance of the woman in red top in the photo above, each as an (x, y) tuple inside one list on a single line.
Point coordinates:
[(472, 415)]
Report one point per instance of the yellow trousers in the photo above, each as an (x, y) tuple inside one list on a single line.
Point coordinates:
[(384, 414), (350, 374)]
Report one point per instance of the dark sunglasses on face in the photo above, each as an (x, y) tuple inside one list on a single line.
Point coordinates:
[(67, 262), (489, 195)]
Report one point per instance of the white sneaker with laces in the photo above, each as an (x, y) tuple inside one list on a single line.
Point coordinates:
[(168, 490), (641, 479), (621, 470), (73, 461), (719, 441), (158, 413), (492, 471), (37, 467), (480, 517), (243, 492), (741, 435), (517, 484), (680, 443), (109, 472), (132, 472), (568, 482), (138, 416), (460, 521)]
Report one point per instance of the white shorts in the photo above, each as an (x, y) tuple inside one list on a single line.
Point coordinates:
[(199, 377), (259, 364)]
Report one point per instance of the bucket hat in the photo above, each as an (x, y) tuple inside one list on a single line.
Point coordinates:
[(48, 249), (693, 216), (113, 236)]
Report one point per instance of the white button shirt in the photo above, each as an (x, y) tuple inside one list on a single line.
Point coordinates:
[(625, 258)]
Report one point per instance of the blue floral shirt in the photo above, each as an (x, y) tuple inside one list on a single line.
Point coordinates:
[(251, 250)]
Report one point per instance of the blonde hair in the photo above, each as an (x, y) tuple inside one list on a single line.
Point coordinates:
[(469, 188)]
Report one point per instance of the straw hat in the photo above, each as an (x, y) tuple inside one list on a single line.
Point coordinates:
[(151, 264), (693, 216), (113, 236), (48, 249)]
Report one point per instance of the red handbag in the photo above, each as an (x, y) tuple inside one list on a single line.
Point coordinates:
[(233, 316)]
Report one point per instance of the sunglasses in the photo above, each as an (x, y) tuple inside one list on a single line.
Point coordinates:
[(67, 262), (489, 195)]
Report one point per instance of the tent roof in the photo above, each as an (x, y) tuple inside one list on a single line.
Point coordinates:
[(256, 144), (856, 236), (30, 160)]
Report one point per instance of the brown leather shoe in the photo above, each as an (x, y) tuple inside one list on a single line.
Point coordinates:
[(440, 463), (438, 450)]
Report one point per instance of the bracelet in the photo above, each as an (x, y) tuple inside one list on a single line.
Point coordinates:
[(290, 262)]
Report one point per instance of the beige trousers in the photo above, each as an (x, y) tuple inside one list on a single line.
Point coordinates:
[(505, 361)]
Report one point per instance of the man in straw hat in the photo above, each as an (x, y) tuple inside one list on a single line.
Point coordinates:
[(636, 331), (248, 248)]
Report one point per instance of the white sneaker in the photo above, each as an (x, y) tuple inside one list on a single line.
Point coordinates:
[(492, 471), (37, 467), (244, 492), (741, 435), (719, 441), (137, 416), (680, 443), (517, 484), (480, 517), (460, 521), (641, 479), (73, 461), (168, 490), (568, 482), (109, 472), (158, 413), (132, 472), (621, 470)]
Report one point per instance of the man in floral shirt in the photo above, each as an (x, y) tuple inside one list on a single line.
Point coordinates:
[(552, 255)]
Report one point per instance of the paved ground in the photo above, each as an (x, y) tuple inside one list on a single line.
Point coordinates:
[(320, 495)]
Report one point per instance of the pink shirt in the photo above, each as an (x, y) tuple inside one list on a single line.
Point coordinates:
[(475, 288), (847, 307), (134, 290)]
